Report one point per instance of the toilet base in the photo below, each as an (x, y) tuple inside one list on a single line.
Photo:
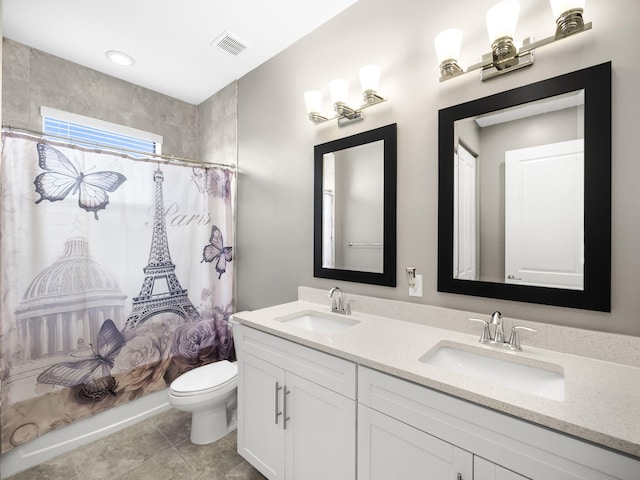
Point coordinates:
[(210, 425)]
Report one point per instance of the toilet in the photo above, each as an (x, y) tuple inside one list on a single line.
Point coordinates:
[(207, 392)]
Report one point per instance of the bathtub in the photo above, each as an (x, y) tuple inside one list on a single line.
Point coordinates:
[(65, 439)]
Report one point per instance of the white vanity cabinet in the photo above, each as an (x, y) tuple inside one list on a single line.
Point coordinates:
[(390, 449), (441, 437), (296, 409), (485, 470)]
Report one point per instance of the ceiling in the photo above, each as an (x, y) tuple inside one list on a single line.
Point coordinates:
[(170, 40)]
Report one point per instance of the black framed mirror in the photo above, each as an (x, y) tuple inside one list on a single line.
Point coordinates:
[(524, 216), (355, 208)]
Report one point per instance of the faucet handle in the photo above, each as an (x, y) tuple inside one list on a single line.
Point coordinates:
[(485, 336), (514, 339)]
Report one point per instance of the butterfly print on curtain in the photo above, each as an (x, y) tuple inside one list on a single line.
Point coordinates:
[(93, 373), (58, 305), (63, 177), (216, 252)]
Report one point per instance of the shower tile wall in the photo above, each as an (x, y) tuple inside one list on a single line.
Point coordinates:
[(32, 78)]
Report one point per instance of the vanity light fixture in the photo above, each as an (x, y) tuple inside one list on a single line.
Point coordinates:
[(339, 90), (505, 57)]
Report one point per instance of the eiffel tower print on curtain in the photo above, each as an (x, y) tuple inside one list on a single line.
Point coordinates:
[(161, 291)]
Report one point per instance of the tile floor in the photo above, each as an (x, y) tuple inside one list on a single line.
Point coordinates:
[(156, 449)]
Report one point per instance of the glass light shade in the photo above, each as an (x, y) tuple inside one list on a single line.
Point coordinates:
[(448, 43), (502, 19), (313, 100), (560, 6), (339, 90), (370, 78)]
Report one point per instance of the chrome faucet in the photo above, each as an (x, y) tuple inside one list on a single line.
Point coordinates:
[(342, 305), (497, 338), (496, 319)]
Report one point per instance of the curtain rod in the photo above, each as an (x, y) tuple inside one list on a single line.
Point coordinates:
[(124, 152)]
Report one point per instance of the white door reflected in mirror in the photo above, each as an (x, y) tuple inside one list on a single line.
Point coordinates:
[(544, 215)]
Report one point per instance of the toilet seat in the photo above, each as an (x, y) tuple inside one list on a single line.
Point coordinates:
[(205, 379)]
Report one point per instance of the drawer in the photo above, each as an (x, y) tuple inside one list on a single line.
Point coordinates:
[(531, 450)]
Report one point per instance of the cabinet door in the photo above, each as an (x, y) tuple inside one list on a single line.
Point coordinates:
[(485, 470), (261, 437), (320, 432), (390, 449)]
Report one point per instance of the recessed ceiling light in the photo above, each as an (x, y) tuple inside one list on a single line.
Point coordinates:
[(120, 58)]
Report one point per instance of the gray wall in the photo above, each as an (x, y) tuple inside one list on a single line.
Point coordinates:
[(275, 216), (217, 127)]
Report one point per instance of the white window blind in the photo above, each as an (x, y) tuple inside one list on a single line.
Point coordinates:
[(87, 131)]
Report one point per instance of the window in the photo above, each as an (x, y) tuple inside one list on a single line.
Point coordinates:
[(87, 131)]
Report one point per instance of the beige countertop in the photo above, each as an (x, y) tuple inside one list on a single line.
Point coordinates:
[(601, 400)]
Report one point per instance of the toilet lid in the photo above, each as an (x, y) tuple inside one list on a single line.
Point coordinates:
[(206, 377)]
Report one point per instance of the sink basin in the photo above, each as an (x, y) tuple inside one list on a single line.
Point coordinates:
[(540, 378), (318, 322)]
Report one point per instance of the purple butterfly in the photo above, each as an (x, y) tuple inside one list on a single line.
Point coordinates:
[(215, 251), (63, 177), (92, 372)]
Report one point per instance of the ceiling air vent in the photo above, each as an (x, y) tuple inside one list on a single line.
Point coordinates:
[(230, 43)]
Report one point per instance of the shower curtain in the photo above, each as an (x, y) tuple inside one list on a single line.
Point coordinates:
[(116, 277)]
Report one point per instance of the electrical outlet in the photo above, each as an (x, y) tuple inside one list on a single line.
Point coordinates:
[(416, 290)]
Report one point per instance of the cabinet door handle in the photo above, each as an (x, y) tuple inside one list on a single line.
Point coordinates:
[(278, 413), (286, 418)]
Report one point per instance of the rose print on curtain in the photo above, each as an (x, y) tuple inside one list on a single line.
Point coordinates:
[(105, 297)]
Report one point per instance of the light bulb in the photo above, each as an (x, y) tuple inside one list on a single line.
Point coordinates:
[(339, 90), (370, 78), (502, 19), (448, 43), (313, 101)]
